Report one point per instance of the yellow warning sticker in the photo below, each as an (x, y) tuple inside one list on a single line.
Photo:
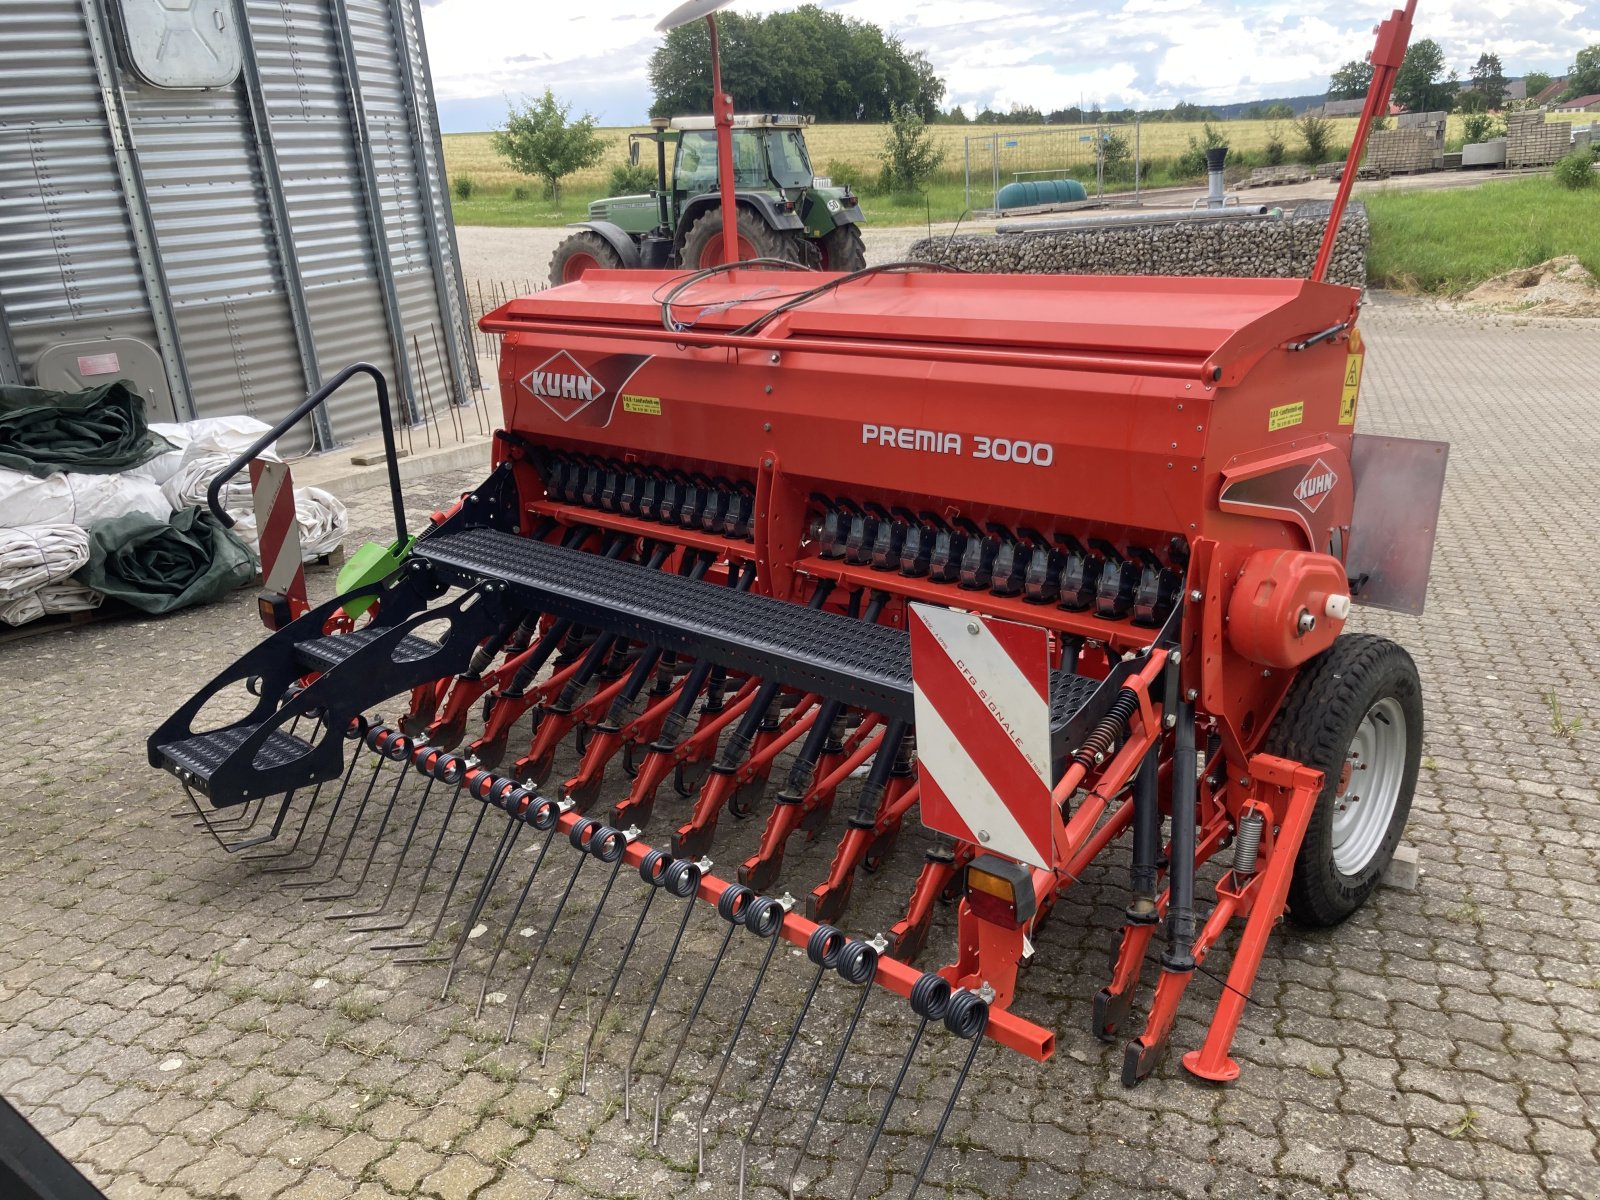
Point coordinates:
[(1285, 416), (650, 406), (1353, 364)]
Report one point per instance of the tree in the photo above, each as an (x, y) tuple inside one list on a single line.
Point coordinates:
[(1279, 112), (1351, 81), (1489, 79), (1583, 76), (957, 116), (1418, 86), (808, 60), (1472, 101), (1317, 134), (1535, 82), (909, 155), (538, 140)]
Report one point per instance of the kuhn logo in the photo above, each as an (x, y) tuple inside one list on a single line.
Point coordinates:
[(564, 386), (1314, 488)]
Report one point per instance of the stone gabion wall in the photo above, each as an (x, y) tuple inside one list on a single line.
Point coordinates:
[(1281, 248)]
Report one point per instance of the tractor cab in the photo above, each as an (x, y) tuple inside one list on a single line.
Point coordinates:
[(784, 210)]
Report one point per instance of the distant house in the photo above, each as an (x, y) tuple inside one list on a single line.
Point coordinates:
[(1555, 88), (1517, 89), (1342, 108), (1581, 104)]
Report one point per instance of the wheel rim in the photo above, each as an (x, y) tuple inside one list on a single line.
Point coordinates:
[(576, 265), (1369, 786), (711, 255)]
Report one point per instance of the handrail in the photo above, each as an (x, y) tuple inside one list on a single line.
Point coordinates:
[(214, 492)]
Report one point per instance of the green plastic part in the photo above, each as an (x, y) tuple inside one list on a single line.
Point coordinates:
[(372, 562)]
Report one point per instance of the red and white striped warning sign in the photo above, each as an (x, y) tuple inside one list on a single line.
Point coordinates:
[(982, 691), (281, 568)]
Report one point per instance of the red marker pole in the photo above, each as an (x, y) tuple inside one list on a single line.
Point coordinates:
[(722, 117)]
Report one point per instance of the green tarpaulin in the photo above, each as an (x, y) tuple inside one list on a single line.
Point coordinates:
[(97, 431), (160, 566)]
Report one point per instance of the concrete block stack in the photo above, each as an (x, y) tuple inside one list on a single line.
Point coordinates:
[(1403, 151), (1530, 142)]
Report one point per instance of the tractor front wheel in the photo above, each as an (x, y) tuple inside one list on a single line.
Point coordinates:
[(842, 249), (579, 253), (1355, 714), (702, 246)]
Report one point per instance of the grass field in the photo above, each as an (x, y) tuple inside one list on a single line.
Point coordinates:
[(1447, 241), (854, 149)]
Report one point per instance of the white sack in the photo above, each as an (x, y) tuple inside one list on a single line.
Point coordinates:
[(65, 595), (229, 435), (74, 499), (32, 556)]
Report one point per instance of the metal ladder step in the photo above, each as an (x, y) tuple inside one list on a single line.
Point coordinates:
[(195, 759), (324, 653)]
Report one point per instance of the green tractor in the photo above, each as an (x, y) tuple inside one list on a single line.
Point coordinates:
[(784, 210)]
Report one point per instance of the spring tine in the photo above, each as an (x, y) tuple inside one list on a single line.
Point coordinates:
[(399, 862), (655, 997), (305, 819), (765, 919), (659, 870), (546, 820), (240, 822), (582, 836), (333, 815), (271, 835), (968, 1018), (449, 892), (508, 843), (859, 964), (349, 838), (398, 749), (930, 1000), (427, 870), (826, 949), (733, 907), (620, 841)]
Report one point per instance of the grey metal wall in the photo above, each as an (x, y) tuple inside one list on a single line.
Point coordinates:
[(262, 235)]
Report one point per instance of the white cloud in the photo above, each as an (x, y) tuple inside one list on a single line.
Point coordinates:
[(1137, 53)]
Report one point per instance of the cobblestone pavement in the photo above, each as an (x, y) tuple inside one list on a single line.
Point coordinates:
[(183, 1027)]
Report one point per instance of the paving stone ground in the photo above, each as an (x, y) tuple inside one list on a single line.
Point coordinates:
[(181, 1026)]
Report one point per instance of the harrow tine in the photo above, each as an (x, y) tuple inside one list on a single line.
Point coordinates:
[(427, 868), (826, 949), (733, 906), (502, 852), (333, 815), (590, 838), (616, 845), (701, 868), (350, 838), (305, 819), (968, 1018), (660, 870), (858, 964), (542, 815), (398, 749), (930, 1000), (399, 862), (449, 892), (765, 920)]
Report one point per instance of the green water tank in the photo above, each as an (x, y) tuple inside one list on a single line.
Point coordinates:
[(1038, 193)]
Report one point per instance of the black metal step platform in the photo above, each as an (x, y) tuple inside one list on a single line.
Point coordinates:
[(834, 655), (195, 759), (325, 653)]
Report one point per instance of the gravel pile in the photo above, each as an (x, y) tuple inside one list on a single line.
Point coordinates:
[(1281, 247)]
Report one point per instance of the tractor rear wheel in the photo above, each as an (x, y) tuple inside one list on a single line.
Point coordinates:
[(702, 246), (842, 249), (579, 253), (1355, 714)]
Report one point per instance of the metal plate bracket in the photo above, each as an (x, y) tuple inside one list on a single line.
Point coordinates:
[(1399, 487)]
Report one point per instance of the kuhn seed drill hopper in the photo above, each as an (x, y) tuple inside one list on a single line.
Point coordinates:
[(1058, 567)]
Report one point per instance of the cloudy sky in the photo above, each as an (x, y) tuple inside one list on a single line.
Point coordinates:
[(1141, 53)]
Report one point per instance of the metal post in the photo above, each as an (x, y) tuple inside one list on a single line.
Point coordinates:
[(430, 215), (282, 228), (1138, 159), (158, 288), (373, 197), (966, 156), (464, 316), (994, 157), (10, 368), (722, 115)]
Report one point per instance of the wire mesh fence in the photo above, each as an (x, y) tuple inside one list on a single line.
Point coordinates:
[(1103, 158)]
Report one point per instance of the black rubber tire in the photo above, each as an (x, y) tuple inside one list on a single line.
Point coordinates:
[(702, 245), (575, 250), (1316, 726), (842, 249)]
